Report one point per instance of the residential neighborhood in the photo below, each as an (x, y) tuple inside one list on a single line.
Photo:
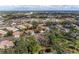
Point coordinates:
[(39, 33)]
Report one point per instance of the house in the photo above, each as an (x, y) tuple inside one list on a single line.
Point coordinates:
[(21, 27), (42, 29), (77, 27), (6, 44), (17, 34), (28, 25), (1, 22), (65, 30), (13, 29), (2, 32), (13, 24), (30, 32)]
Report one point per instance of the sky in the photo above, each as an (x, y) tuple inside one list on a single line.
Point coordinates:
[(43, 4), (38, 2), (39, 8)]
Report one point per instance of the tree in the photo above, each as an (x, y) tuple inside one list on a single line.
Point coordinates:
[(55, 43), (9, 33), (33, 46), (35, 24), (21, 46)]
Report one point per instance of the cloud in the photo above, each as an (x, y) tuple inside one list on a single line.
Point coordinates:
[(39, 2)]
